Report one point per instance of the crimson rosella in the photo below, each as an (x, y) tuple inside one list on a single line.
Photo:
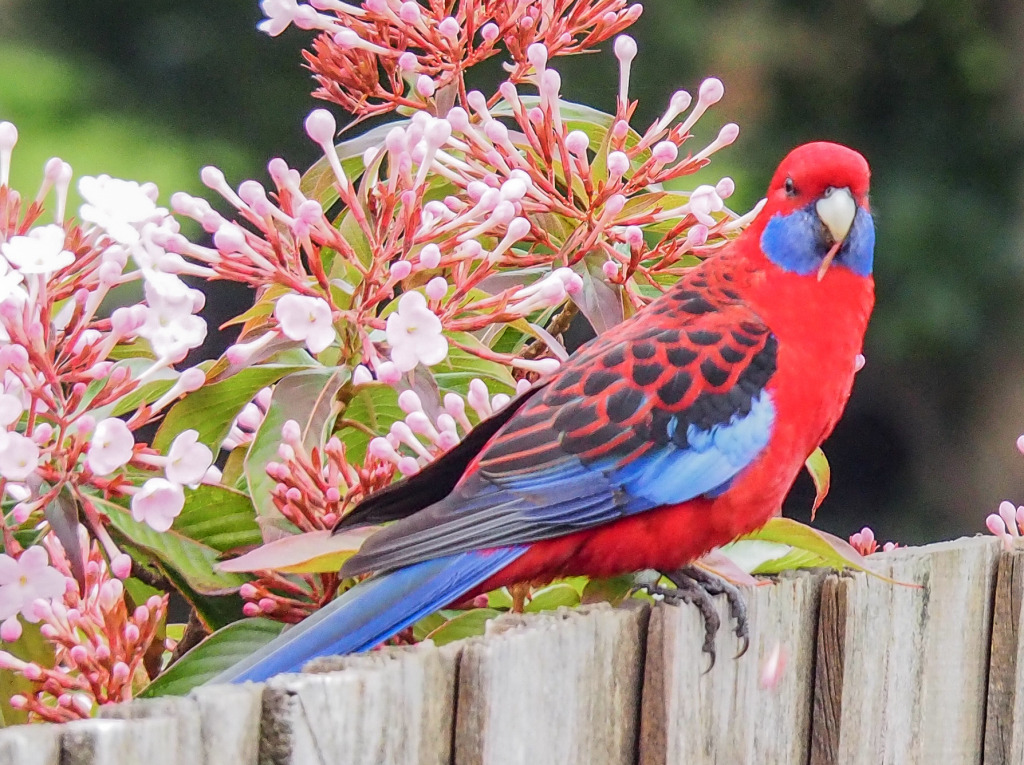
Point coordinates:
[(677, 431)]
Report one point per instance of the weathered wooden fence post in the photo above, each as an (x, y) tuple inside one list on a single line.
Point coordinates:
[(725, 716), (561, 687), (1004, 718), (902, 671), (394, 706)]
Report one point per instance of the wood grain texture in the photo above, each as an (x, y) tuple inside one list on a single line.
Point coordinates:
[(1004, 719), (726, 716), (394, 706), (150, 741), (229, 722), (182, 713), (560, 687), (907, 667), (30, 745)]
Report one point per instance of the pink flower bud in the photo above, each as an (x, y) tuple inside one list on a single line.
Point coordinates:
[(711, 91), (321, 126), (517, 229), (633, 236), (18, 701), (858, 362), (78, 654), (10, 630), (408, 62), (121, 671), (361, 375), (409, 12), (388, 373), (291, 432), (332, 494), (537, 55), (697, 236), (437, 288), (382, 449), (725, 187), (425, 86), (1020, 444), (619, 130), (141, 615), (121, 565), (618, 164), (400, 270), (408, 466), (250, 609), (625, 48), (489, 31), (610, 269), (131, 633), (479, 398), (665, 152), (614, 204), (577, 142), (293, 495), (499, 401), (449, 27), (496, 132), (1009, 515)]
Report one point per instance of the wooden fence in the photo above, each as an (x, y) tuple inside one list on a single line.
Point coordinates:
[(874, 673)]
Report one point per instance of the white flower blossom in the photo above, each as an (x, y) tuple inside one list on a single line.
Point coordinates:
[(119, 207), (306, 319), (414, 333), (25, 580), (111, 447), (158, 503), (41, 251)]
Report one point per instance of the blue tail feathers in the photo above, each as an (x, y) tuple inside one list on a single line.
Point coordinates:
[(372, 611)]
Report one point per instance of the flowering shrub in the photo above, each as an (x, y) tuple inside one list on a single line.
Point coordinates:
[(406, 286)]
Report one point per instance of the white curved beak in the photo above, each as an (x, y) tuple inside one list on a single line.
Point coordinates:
[(837, 210)]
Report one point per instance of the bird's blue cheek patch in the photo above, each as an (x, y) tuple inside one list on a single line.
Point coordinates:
[(858, 251), (795, 243)]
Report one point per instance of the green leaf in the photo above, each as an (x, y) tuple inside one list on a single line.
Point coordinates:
[(612, 590), (454, 373), (174, 551), (500, 599), (311, 552), (553, 596), (221, 650), (818, 547), (220, 517), (211, 409), (467, 624), (821, 474), (426, 625), (308, 397), (370, 412)]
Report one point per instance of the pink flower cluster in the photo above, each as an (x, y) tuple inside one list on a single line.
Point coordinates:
[(101, 647), (865, 543), (531, 204), (1007, 524), (61, 384), (387, 54)]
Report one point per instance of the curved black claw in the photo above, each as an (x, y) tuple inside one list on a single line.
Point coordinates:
[(699, 588)]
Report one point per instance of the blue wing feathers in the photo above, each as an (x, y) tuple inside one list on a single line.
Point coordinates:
[(372, 611)]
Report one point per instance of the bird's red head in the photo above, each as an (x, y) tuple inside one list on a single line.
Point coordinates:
[(810, 170), (817, 212)]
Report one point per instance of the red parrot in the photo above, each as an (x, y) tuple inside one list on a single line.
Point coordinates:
[(672, 433)]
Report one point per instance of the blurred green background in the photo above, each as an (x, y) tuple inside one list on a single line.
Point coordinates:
[(931, 91)]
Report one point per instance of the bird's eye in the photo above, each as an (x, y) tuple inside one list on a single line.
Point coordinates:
[(790, 187)]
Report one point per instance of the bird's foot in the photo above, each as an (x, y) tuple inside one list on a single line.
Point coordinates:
[(697, 587)]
